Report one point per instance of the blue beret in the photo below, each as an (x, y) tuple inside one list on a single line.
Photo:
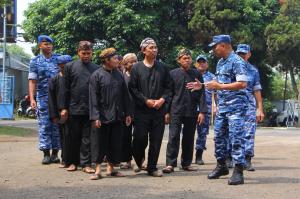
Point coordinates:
[(220, 38), (63, 59), (203, 57), (243, 48), (44, 38)]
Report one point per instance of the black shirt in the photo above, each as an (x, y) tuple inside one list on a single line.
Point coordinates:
[(77, 75), (56, 94), (131, 102), (184, 102), (108, 96), (149, 83)]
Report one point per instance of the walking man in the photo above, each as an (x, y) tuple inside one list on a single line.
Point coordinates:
[(231, 83)]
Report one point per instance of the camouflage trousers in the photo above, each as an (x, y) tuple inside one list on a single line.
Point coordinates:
[(229, 129), (49, 137), (250, 128), (202, 132)]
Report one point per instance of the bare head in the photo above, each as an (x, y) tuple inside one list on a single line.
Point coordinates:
[(85, 51)]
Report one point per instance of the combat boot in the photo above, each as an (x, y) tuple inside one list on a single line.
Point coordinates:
[(249, 166), (54, 158), (46, 159), (237, 175), (199, 160), (220, 170), (229, 162)]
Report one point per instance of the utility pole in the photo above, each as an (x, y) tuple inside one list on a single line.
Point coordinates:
[(4, 41)]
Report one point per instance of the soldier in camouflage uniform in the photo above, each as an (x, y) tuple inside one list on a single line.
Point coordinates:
[(42, 68), (203, 129), (254, 112), (231, 81)]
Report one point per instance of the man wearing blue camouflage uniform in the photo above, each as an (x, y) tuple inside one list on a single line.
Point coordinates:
[(255, 106), (203, 129), (42, 68), (231, 83)]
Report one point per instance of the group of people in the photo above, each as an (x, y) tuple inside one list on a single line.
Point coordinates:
[(112, 112)]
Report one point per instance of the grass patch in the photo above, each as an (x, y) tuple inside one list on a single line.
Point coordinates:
[(16, 131)]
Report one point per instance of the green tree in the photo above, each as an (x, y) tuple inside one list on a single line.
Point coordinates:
[(244, 20), (277, 86), (121, 23), (14, 49), (283, 40)]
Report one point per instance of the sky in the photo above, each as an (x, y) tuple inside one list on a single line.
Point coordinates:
[(22, 5)]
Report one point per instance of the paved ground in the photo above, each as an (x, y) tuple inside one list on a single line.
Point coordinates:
[(277, 161)]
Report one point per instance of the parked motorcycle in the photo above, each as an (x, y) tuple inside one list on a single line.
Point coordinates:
[(25, 109)]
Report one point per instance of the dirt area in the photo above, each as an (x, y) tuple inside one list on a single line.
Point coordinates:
[(277, 176)]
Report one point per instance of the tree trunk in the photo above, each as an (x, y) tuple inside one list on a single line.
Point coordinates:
[(294, 83), (295, 89), (298, 125)]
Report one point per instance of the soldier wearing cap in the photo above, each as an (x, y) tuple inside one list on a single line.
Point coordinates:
[(56, 103), (150, 87), (186, 109), (77, 76), (231, 83), (254, 112), (42, 68), (203, 129)]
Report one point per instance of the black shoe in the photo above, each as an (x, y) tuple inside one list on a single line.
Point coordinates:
[(46, 160), (54, 159), (199, 160), (237, 175), (229, 162), (220, 170), (249, 166)]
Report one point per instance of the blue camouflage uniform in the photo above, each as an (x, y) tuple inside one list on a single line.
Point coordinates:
[(252, 86), (203, 129), (42, 69), (232, 106), (250, 120)]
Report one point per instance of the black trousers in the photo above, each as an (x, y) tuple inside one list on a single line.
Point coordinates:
[(127, 143), (187, 143), (107, 142), (63, 128), (78, 147), (152, 128)]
